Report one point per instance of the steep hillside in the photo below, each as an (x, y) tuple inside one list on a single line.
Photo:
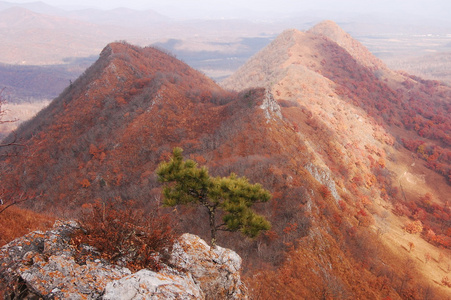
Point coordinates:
[(103, 138), (359, 52), (101, 114), (335, 169), (411, 109), (379, 134)]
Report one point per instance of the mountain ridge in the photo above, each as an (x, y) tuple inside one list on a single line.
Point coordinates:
[(23, 18), (353, 114)]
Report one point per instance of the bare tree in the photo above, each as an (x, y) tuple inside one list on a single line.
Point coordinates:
[(2, 121), (5, 204)]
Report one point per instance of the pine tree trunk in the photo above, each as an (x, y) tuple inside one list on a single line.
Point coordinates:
[(211, 212)]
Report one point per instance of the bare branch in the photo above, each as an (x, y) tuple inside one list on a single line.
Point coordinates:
[(3, 113), (20, 200), (13, 143), (223, 227)]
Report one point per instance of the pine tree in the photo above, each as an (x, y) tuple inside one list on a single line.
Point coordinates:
[(234, 196)]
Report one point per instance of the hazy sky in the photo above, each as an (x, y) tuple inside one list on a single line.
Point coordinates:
[(214, 8)]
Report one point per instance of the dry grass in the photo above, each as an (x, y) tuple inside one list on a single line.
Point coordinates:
[(16, 222), (126, 234), (431, 262)]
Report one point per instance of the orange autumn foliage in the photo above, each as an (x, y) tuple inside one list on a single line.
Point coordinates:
[(122, 233), (414, 227), (16, 222)]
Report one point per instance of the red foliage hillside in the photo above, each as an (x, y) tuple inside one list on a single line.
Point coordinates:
[(15, 222), (101, 140), (421, 107), (355, 116)]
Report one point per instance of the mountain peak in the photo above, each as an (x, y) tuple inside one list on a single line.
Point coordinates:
[(307, 50), (330, 29), (149, 62), (360, 53)]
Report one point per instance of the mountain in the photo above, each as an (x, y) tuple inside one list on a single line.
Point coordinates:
[(22, 18), (112, 127), (45, 39), (36, 6), (338, 138), (126, 91), (360, 53), (381, 135), (299, 66), (38, 34)]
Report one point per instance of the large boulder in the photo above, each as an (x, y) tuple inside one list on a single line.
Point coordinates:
[(47, 265), (216, 270), (44, 264), (146, 284)]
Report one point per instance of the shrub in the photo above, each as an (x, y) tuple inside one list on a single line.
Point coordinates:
[(446, 281), (325, 192), (414, 227), (125, 235)]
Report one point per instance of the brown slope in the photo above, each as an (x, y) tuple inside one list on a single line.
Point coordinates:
[(103, 138), (123, 90), (350, 112)]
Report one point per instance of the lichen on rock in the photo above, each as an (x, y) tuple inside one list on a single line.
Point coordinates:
[(216, 270), (46, 265), (146, 284)]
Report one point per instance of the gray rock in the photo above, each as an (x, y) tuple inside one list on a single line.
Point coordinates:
[(146, 284), (324, 177), (215, 270), (46, 265), (270, 107)]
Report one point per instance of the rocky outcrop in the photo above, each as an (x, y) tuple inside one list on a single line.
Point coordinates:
[(215, 270), (324, 177), (45, 264), (270, 107), (146, 284)]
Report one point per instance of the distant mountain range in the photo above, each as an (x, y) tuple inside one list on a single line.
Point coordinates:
[(78, 33), (39, 34)]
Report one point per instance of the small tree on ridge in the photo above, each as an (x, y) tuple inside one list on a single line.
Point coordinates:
[(186, 183)]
